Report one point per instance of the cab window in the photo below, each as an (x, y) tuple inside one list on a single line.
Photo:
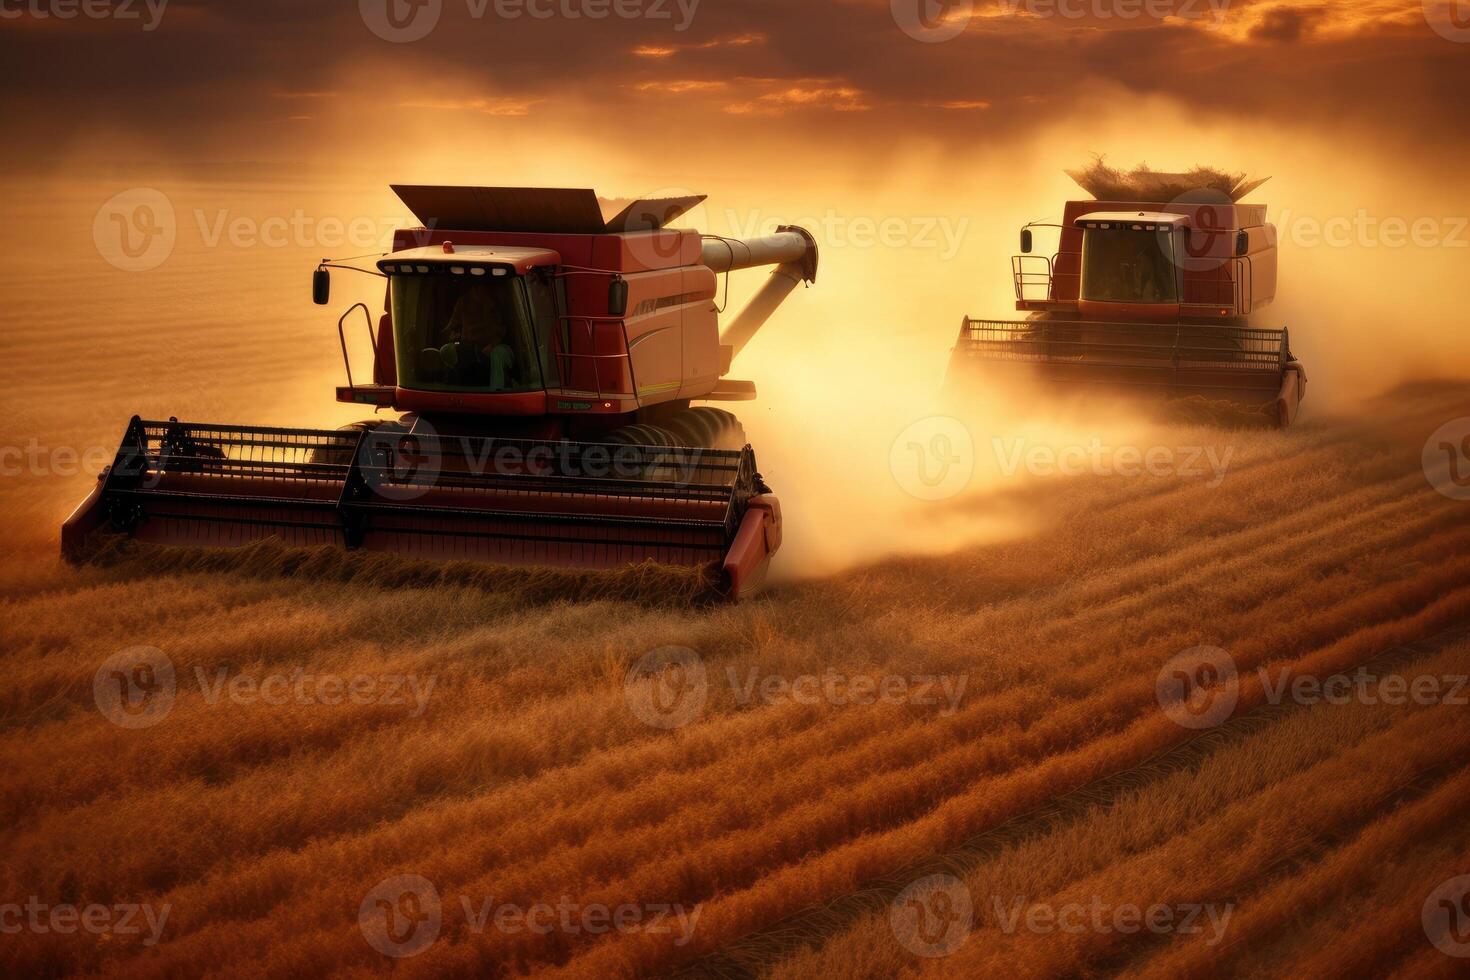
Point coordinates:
[(1126, 266), (465, 333)]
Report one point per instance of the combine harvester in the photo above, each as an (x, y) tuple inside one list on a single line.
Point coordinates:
[(544, 359), (1151, 291)]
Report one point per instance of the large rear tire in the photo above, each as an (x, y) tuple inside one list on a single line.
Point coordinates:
[(642, 434), (692, 428), (708, 428)]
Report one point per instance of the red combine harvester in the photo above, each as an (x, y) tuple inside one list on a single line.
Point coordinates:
[(1148, 297), (545, 359)]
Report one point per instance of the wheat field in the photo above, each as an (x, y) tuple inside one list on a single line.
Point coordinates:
[(508, 751)]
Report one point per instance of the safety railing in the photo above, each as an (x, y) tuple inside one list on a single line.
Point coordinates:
[(1244, 286), (1036, 278), (1031, 274), (620, 364), (1233, 291), (367, 315)]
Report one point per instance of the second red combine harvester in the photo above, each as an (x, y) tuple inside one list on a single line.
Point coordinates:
[(1153, 289), (544, 359)]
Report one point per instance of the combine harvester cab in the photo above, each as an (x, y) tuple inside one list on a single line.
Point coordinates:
[(1154, 299), (544, 360)]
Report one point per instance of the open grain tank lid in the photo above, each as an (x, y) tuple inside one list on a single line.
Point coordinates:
[(547, 210)]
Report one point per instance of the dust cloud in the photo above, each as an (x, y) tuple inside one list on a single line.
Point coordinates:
[(224, 330)]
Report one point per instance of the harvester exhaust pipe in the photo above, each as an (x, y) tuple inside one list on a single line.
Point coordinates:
[(794, 253)]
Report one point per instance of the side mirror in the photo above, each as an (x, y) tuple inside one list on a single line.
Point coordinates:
[(321, 287), (617, 297), (1242, 243), (1026, 240)]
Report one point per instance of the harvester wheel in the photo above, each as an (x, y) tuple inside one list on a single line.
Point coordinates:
[(642, 435), (694, 428), (721, 429), (707, 428), (689, 429)]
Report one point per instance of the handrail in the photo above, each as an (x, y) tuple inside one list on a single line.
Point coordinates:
[(342, 337), (1022, 278), (1245, 298), (1241, 283), (622, 355)]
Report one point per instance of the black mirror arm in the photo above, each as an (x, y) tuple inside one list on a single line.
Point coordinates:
[(353, 268)]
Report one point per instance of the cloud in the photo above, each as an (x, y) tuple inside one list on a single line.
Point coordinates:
[(668, 50), (683, 86), (1284, 25), (782, 96), (489, 107), (1292, 21), (846, 70)]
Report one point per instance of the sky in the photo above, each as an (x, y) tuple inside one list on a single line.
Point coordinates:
[(287, 80)]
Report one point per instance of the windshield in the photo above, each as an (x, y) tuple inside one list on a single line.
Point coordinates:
[(468, 333), (1125, 266)]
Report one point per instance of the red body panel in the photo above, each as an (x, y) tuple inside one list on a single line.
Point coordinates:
[(1289, 399), (464, 403), (1142, 312), (385, 363), (757, 540), (86, 519)]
